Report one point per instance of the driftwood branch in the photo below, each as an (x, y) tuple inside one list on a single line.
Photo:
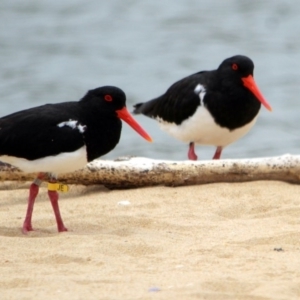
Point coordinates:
[(130, 172)]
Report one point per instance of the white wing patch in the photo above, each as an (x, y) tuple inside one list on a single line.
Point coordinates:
[(74, 125), (81, 128), (200, 91), (70, 123)]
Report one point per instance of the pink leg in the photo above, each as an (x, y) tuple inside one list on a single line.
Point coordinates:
[(53, 195), (218, 153), (191, 154), (33, 191)]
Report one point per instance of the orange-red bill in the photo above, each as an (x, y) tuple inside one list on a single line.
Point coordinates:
[(250, 84), (126, 116)]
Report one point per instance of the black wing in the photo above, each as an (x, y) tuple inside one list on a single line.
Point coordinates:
[(178, 103), (34, 133)]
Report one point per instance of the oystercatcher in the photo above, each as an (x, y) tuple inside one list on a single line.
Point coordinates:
[(210, 107), (59, 138)]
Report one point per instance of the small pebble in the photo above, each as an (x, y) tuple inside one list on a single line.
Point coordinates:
[(179, 266), (278, 249), (154, 289), (124, 203)]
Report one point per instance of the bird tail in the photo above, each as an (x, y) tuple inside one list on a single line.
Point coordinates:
[(137, 108)]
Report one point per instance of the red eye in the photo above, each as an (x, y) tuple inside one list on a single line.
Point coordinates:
[(108, 98), (234, 67)]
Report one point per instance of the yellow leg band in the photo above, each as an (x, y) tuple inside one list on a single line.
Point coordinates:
[(58, 187)]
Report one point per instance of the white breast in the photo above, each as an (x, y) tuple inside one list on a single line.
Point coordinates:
[(202, 129), (61, 163)]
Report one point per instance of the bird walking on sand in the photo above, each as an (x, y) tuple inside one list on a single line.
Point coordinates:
[(210, 107), (60, 138)]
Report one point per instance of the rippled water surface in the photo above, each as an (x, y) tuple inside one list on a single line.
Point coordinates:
[(54, 51)]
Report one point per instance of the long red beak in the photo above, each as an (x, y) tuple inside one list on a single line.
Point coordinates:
[(126, 116), (250, 84)]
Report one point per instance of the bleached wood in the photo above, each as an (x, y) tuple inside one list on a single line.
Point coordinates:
[(132, 172)]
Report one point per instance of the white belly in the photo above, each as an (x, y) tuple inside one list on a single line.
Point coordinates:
[(202, 129), (61, 163)]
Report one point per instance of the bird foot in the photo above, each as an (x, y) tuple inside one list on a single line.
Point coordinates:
[(218, 153), (27, 228), (62, 229), (191, 154)]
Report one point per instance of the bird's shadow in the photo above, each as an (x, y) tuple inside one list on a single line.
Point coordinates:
[(17, 232), (75, 191), (37, 233), (21, 199)]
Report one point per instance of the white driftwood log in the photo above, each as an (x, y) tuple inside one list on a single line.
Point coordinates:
[(130, 172)]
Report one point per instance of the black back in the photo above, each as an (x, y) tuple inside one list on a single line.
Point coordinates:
[(34, 133), (229, 102)]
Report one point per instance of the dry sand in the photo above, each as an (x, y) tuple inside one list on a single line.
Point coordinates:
[(216, 241)]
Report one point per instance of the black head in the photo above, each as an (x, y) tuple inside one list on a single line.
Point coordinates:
[(237, 66), (236, 73), (107, 97), (112, 101)]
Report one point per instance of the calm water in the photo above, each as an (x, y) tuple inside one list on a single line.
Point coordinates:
[(54, 51)]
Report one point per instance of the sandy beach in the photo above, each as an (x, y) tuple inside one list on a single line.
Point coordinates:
[(214, 241)]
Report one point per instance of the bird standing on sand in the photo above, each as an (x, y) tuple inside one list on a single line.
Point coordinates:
[(210, 107), (60, 138)]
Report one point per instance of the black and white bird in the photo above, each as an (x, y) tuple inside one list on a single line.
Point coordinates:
[(60, 138), (210, 107)]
